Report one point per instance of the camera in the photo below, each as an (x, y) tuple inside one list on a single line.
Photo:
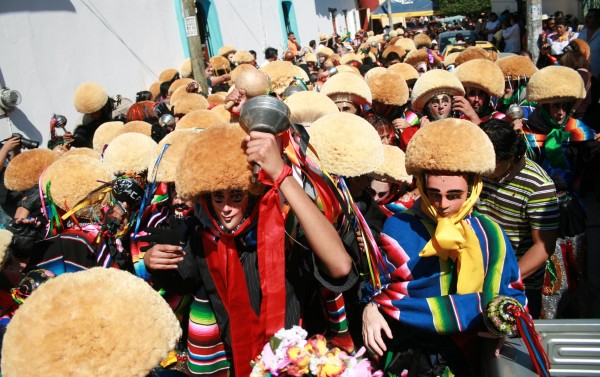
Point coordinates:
[(26, 143)]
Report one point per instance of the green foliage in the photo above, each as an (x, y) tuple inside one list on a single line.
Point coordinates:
[(463, 7)]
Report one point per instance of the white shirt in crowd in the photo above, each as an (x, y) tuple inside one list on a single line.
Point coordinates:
[(491, 25), (512, 39)]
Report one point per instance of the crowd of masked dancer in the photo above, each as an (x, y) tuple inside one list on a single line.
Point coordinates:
[(396, 203)]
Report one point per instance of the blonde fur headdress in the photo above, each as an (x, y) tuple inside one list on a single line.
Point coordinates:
[(432, 83), (115, 325), (216, 160), (450, 145), (129, 153), (346, 86), (281, 74), (422, 40), (310, 57), (138, 126), (351, 57), (242, 57), (471, 53), (185, 70), (88, 152), (515, 66), (422, 56), (105, 133), (393, 50), (555, 84), (168, 74), (308, 106), (24, 171), (226, 50), (220, 65), (407, 71), (6, 238), (346, 144), (375, 71), (451, 59), (389, 88), (178, 84), (200, 119), (89, 98), (154, 89), (393, 169), (349, 68), (72, 178), (223, 113), (325, 51), (188, 102), (332, 61), (216, 98), (171, 157), (406, 44), (481, 74)]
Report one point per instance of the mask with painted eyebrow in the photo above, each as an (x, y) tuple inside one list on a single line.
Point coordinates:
[(437, 100)]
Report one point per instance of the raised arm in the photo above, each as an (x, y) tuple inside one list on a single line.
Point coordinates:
[(262, 149)]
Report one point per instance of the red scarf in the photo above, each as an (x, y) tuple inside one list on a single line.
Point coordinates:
[(250, 332)]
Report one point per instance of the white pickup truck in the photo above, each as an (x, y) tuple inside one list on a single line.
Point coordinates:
[(572, 345)]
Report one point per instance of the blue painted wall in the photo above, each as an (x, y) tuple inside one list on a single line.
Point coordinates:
[(293, 26), (215, 39)]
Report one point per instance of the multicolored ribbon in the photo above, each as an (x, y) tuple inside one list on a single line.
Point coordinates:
[(532, 341), (372, 253)]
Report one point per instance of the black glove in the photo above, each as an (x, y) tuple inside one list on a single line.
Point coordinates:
[(111, 225), (25, 236), (161, 236), (158, 132), (162, 109), (31, 200)]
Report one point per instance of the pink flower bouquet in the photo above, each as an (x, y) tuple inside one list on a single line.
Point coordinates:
[(289, 353)]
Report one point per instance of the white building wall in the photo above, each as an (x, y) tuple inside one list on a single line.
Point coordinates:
[(255, 25), (324, 24), (50, 47), (251, 25), (306, 19)]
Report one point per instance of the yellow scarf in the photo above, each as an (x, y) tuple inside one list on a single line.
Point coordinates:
[(454, 238)]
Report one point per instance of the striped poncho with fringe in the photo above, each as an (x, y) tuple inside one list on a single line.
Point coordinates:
[(419, 291)]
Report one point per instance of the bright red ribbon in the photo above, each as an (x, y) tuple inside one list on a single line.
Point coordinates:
[(228, 275), (271, 257), (248, 331)]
